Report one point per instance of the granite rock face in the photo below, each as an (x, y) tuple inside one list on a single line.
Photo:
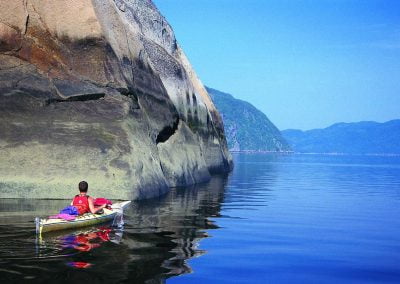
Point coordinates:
[(99, 90)]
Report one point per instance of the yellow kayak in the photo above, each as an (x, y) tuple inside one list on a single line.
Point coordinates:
[(88, 219)]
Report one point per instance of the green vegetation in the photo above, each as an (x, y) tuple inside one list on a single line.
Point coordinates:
[(247, 128)]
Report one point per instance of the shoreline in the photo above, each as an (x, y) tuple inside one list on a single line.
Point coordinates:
[(312, 153)]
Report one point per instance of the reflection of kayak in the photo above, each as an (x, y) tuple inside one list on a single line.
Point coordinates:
[(79, 239), (47, 225)]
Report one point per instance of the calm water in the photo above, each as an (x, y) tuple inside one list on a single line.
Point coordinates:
[(275, 219)]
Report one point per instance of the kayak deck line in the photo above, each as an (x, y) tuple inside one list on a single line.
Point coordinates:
[(46, 225)]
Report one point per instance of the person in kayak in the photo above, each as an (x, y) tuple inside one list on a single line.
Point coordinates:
[(83, 202)]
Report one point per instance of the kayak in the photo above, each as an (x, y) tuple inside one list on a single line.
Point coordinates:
[(47, 225)]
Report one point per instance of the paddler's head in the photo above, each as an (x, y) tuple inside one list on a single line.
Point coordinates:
[(83, 187)]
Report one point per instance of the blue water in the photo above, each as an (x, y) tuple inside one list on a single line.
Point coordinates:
[(305, 219), (274, 219)]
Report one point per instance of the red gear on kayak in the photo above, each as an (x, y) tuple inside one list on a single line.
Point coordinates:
[(81, 203)]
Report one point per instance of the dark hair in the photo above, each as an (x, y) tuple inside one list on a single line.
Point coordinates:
[(83, 186)]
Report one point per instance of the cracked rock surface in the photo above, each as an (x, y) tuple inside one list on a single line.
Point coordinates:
[(99, 90)]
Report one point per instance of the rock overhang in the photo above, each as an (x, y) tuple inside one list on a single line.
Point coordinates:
[(101, 101)]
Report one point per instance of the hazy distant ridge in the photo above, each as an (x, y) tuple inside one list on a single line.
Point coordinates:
[(246, 127), (366, 137)]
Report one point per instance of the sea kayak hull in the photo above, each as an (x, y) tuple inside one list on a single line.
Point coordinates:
[(89, 219)]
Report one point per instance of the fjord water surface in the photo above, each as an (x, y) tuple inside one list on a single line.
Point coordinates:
[(275, 219)]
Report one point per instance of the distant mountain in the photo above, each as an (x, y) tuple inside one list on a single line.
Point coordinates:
[(366, 137), (247, 128)]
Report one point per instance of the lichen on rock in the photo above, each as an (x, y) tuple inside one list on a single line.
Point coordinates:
[(100, 91)]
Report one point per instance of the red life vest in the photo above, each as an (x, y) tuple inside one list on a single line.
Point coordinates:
[(81, 203)]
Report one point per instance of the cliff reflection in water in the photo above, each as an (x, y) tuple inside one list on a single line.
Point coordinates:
[(164, 233), (159, 236)]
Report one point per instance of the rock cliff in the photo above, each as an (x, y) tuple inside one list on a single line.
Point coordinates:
[(99, 90)]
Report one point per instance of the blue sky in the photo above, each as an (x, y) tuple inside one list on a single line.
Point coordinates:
[(304, 63)]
